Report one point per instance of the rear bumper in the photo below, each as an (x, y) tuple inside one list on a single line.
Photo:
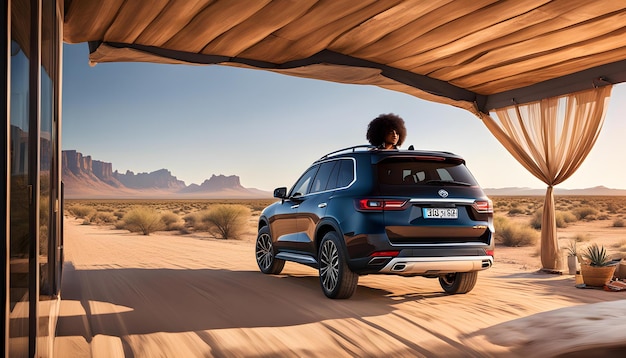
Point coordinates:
[(434, 266)]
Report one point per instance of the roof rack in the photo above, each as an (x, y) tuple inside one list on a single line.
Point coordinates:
[(350, 149)]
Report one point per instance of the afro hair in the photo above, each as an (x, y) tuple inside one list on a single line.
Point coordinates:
[(381, 125)]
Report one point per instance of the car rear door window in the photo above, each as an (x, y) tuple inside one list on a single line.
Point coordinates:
[(346, 173), (332, 178), (323, 175)]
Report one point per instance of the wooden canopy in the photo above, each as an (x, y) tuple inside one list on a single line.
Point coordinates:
[(475, 54)]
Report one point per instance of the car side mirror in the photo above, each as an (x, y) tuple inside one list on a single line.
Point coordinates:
[(280, 193)]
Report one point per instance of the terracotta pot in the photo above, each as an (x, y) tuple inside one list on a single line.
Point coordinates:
[(597, 276)]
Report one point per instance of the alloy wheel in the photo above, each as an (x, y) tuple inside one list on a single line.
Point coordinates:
[(329, 265), (264, 252)]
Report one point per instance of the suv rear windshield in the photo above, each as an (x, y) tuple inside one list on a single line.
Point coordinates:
[(414, 171)]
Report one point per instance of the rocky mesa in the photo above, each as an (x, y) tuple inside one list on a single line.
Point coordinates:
[(87, 178)]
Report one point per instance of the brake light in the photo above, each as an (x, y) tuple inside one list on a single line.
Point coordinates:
[(380, 204), (483, 206), (385, 254), (490, 253)]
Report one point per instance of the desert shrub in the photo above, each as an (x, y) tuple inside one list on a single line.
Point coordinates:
[(195, 221), (226, 221), (144, 220), (81, 211), (535, 222), (618, 223), (512, 234), (119, 214), (586, 213), (500, 204), (171, 221), (103, 218), (582, 238), (563, 218), (612, 208), (499, 221), (515, 211), (566, 216)]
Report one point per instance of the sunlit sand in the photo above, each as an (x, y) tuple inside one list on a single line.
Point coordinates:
[(171, 295)]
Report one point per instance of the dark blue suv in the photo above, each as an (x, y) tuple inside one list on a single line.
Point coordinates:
[(361, 211)]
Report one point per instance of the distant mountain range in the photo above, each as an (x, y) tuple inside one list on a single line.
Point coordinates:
[(86, 178)]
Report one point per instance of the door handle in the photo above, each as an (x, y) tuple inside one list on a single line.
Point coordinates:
[(321, 205), (295, 206)]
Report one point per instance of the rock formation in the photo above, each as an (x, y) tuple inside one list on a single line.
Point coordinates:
[(87, 178)]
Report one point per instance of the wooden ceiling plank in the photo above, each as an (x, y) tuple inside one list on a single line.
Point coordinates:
[(258, 26), (517, 28), (323, 13), (87, 20), (558, 43), (269, 49), (583, 54), (484, 18), (384, 23), (389, 48), (529, 33), (318, 40), (211, 22), (132, 19), (173, 18), (539, 75)]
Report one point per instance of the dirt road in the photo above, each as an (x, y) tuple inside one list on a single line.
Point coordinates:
[(165, 295)]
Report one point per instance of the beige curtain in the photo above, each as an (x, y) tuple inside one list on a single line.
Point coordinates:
[(551, 138)]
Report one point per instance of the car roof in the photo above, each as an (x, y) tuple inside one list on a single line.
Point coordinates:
[(377, 154)]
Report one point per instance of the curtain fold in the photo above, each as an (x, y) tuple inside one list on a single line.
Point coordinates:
[(551, 138)]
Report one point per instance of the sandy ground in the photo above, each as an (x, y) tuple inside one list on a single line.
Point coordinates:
[(167, 295)]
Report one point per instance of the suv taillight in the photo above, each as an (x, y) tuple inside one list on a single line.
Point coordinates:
[(379, 204), (483, 206)]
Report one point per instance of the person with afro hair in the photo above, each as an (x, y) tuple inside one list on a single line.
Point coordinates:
[(386, 131)]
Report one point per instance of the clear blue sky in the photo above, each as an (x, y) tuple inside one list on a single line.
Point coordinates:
[(266, 128)]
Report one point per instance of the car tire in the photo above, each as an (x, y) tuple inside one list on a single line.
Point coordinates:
[(336, 278), (459, 282), (265, 255)]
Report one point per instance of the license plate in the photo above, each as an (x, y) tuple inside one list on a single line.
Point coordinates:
[(441, 213)]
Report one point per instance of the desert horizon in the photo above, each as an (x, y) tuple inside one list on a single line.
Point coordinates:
[(186, 291), (88, 178)]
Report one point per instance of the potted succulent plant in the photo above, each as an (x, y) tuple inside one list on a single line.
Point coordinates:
[(572, 257), (597, 267)]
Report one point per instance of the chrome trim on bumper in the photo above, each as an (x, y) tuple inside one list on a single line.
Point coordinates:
[(436, 265), (472, 243)]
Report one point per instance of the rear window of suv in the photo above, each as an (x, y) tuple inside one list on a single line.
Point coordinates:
[(417, 171)]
